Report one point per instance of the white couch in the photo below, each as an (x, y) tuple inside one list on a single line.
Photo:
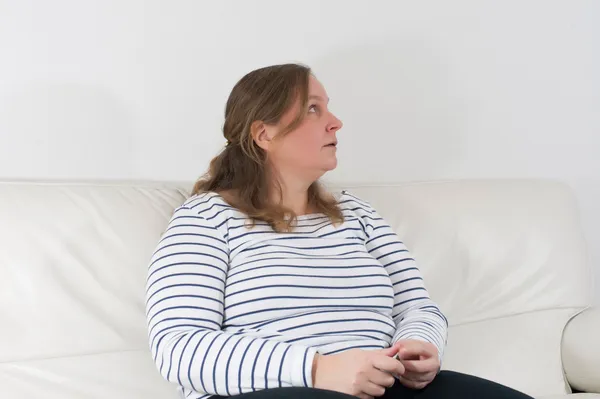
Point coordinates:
[(505, 260)]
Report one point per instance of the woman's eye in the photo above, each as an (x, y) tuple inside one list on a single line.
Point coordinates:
[(312, 108)]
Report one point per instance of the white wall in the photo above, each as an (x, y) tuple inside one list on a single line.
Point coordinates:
[(135, 89)]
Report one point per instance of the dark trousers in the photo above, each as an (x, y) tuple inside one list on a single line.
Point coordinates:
[(447, 385)]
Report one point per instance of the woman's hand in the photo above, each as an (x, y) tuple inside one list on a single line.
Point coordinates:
[(357, 372), (421, 363)]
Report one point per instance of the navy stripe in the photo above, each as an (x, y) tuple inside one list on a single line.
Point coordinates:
[(329, 258), (171, 361), (341, 332), (227, 221), (182, 307), (195, 226), (309, 307), (393, 253), (380, 237), (354, 347), (200, 244), (301, 248), (204, 361), (174, 327), (299, 253), (303, 298), (227, 367), (186, 264), (192, 360), (187, 253), (340, 231), (281, 365), (181, 296), (433, 329), (268, 364), (304, 367), (254, 365), (187, 318), (358, 200), (403, 270), (167, 287), (224, 206), (193, 217), (399, 304), (407, 280), (191, 336), (331, 321), (323, 224), (306, 286), (413, 330), (409, 290), (437, 313), (254, 269), (242, 364), (301, 275), (275, 320), (191, 204), (383, 245), (184, 274), (190, 235)]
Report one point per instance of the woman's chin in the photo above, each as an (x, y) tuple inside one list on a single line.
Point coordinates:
[(331, 164)]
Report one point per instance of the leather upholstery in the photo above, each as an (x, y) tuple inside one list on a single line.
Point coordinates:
[(505, 260)]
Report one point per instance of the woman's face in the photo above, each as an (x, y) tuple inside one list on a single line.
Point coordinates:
[(310, 149)]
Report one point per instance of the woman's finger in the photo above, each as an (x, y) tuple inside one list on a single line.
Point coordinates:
[(421, 366), (412, 384), (414, 349), (381, 378), (390, 352), (418, 377), (410, 349), (389, 364)]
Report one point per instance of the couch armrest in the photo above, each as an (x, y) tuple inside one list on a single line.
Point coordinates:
[(581, 351)]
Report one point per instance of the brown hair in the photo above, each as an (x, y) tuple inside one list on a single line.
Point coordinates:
[(241, 170)]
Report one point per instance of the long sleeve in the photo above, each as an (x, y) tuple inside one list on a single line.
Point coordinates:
[(185, 311), (416, 316)]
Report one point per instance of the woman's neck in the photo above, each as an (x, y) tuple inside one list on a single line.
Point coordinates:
[(295, 200), (293, 195)]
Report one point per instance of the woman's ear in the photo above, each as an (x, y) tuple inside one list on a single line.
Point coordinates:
[(261, 135)]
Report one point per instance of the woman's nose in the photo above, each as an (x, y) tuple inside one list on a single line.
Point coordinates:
[(335, 124)]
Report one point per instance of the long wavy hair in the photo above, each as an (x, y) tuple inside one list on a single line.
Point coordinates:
[(241, 169)]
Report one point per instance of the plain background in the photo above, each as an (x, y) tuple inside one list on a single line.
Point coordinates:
[(428, 90)]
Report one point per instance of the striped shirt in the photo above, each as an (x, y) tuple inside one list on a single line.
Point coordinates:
[(233, 309)]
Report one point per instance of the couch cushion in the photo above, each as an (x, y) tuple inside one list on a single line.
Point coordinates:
[(581, 351), (490, 248), (117, 375), (73, 261), (519, 351)]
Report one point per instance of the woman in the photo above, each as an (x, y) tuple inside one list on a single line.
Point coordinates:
[(265, 286)]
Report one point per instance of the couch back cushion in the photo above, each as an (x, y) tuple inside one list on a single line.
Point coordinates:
[(491, 249)]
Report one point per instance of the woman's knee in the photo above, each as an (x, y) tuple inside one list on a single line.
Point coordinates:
[(295, 393), (451, 384)]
